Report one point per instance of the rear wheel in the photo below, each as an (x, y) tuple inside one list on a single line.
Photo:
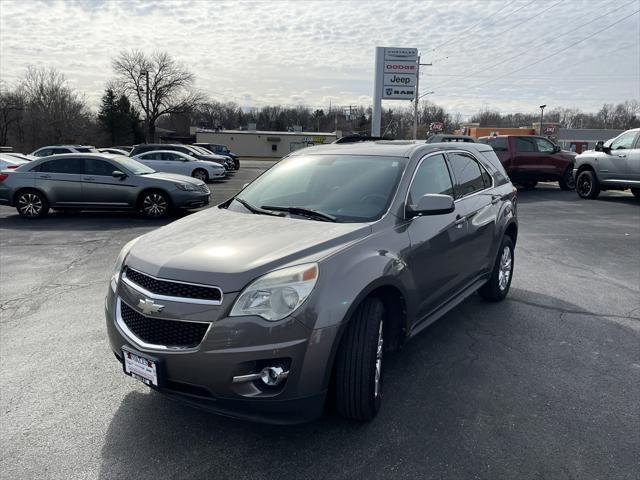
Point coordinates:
[(154, 204), (636, 192), (567, 182), (497, 287), (32, 204), (358, 373), (200, 174), (587, 185)]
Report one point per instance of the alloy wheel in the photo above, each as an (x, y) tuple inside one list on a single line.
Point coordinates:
[(584, 185), (506, 264), (30, 205), (200, 175), (154, 205)]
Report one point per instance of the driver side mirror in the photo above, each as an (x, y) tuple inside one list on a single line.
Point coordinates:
[(118, 174), (599, 146), (556, 149), (431, 204)]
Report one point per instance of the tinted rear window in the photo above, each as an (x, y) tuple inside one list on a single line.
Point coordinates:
[(62, 165)]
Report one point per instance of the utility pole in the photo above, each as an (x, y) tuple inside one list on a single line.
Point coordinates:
[(146, 109), (417, 97), (542, 107)]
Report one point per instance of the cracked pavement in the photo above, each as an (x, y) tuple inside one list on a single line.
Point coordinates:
[(543, 385)]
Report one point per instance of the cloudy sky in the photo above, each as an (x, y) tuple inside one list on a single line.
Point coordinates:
[(505, 55)]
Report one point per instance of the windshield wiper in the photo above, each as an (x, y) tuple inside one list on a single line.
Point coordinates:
[(254, 209), (308, 212)]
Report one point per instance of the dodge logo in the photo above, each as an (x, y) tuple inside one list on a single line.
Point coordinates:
[(147, 306)]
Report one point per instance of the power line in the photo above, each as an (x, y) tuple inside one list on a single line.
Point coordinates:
[(536, 46), (558, 51)]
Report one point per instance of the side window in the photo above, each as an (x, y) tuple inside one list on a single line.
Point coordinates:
[(486, 178), (59, 150), (624, 141), (94, 166), (432, 176), (545, 146), (63, 165), (43, 153), (467, 173), (524, 144), (499, 144)]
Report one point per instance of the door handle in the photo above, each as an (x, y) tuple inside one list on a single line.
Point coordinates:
[(44, 176), (495, 199), (460, 221), (622, 155)]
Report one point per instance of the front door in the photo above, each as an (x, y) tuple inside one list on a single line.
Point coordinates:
[(436, 257), (59, 178), (624, 158), (101, 188)]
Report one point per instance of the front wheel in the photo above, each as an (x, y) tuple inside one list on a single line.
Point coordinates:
[(587, 185), (200, 174), (154, 204), (497, 287), (567, 182), (358, 373), (32, 204)]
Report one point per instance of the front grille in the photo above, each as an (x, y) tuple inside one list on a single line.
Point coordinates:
[(156, 331), (171, 288)]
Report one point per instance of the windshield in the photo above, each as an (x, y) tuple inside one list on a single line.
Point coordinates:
[(201, 150), (133, 166), (351, 188)]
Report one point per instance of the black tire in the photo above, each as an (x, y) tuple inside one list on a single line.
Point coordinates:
[(200, 174), (529, 185), (587, 185), (154, 204), (497, 287), (32, 204), (359, 363), (567, 182), (636, 192)]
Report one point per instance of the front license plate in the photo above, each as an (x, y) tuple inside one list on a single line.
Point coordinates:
[(140, 368)]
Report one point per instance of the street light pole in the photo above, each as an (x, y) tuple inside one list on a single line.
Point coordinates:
[(542, 107), (417, 97)]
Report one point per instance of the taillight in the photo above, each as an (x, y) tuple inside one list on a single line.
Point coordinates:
[(11, 167), (3, 176)]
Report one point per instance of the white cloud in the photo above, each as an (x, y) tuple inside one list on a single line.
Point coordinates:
[(310, 52)]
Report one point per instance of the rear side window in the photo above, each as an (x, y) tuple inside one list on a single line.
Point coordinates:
[(524, 144), (62, 165), (468, 174), (499, 144), (432, 176), (60, 150), (93, 166)]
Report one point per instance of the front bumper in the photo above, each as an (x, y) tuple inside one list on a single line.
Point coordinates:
[(186, 199), (202, 376)]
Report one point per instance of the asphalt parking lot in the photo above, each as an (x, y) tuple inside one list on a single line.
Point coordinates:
[(544, 385)]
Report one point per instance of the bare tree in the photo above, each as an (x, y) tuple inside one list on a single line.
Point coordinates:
[(170, 85), (11, 108)]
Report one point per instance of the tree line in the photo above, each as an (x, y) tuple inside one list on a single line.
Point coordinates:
[(42, 108)]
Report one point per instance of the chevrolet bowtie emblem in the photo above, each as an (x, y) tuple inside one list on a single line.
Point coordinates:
[(147, 306)]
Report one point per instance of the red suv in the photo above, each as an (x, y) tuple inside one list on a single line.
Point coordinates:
[(529, 159)]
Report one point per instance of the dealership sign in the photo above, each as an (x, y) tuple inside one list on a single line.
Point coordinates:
[(399, 73)]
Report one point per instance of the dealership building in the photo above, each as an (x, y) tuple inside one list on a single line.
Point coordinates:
[(260, 143)]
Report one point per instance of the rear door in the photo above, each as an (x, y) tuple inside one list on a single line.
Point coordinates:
[(474, 187), (173, 162), (60, 179), (527, 161), (152, 160), (436, 257), (101, 189)]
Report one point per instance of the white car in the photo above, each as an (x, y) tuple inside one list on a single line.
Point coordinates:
[(60, 149), (114, 151), (10, 162), (177, 162)]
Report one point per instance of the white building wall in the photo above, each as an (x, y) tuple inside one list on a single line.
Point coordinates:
[(261, 143)]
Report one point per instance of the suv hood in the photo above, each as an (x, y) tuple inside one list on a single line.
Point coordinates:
[(230, 249)]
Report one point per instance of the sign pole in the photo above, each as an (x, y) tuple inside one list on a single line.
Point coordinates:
[(376, 112), (415, 102)]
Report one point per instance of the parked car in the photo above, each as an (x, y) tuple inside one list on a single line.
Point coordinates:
[(60, 149), (358, 138), (295, 289), (114, 151), (445, 137), (20, 156), (221, 150), (614, 165), (227, 161), (97, 181), (177, 147), (178, 162), (7, 162), (530, 159)]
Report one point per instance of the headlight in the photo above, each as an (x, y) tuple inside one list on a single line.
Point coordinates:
[(277, 294), (115, 275), (188, 187)]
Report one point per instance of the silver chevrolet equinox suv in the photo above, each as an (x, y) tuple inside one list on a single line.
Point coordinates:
[(294, 290)]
